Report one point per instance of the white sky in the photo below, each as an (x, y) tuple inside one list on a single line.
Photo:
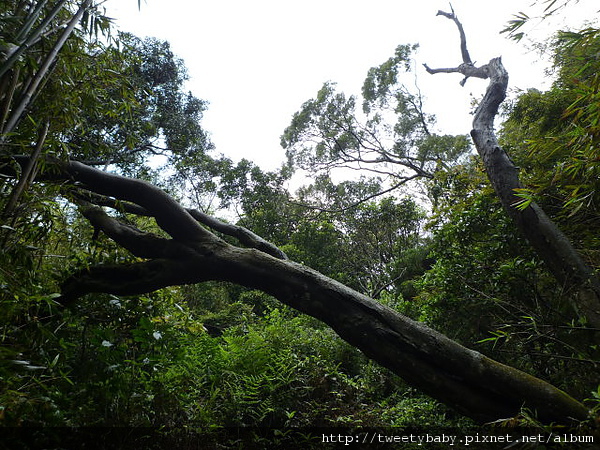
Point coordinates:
[(257, 61)]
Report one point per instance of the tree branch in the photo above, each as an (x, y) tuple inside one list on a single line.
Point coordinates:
[(169, 214), (245, 236), (359, 202), (466, 58), (467, 68), (139, 243), (552, 246), (127, 279), (470, 382)]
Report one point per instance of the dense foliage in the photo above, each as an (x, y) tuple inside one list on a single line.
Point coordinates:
[(219, 355)]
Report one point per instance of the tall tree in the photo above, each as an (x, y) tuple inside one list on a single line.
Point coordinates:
[(392, 137), (184, 246)]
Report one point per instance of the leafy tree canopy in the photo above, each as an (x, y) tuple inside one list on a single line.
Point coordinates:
[(392, 138), (124, 303)]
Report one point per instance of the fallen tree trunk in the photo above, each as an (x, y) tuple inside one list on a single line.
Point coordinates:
[(475, 385), (462, 378)]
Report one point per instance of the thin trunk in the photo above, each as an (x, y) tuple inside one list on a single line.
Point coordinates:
[(9, 86), (24, 42), (48, 61), (28, 173)]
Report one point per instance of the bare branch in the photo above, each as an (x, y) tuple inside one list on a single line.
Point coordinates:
[(139, 243), (245, 236), (169, 215), (467, 68), (551, 245), (127, 279), (376, 292), (466, 58)]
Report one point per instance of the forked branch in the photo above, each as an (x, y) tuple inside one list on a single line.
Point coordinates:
[(243, 235), (472, 383), (552, 246), (467, 68)]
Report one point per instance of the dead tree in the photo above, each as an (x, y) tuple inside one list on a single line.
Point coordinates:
[(552, 245), (467, 68)]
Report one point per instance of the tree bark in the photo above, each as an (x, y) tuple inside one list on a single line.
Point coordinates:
[(551, 245), (475, 385)]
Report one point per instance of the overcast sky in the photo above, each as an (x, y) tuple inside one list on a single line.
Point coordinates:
[(257, 61)]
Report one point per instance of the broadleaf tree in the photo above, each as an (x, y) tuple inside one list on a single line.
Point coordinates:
[(391, 138), (184, 246)]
